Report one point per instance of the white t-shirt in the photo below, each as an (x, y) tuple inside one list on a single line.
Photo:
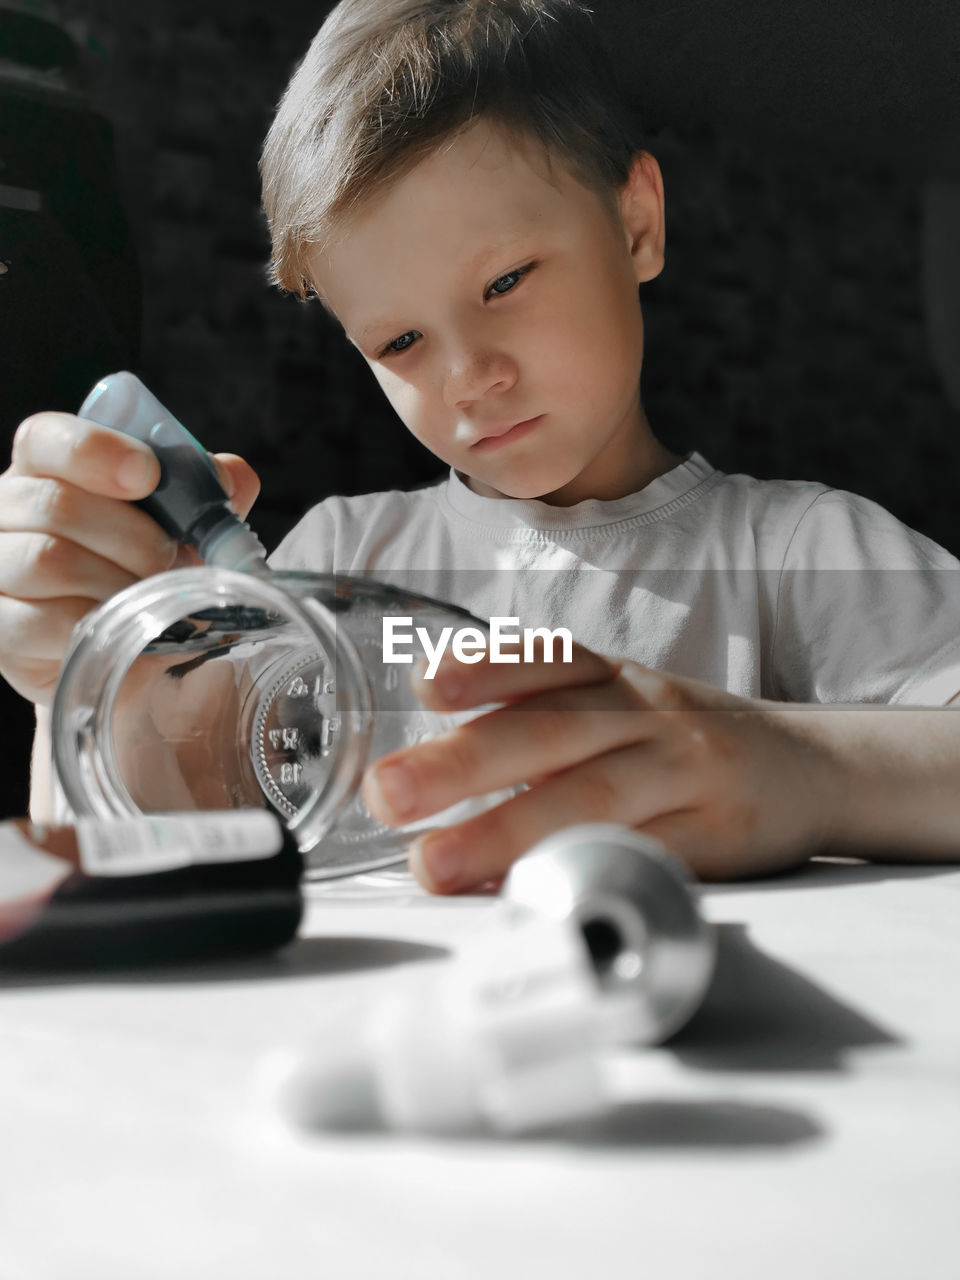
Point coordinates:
[(779, 589)]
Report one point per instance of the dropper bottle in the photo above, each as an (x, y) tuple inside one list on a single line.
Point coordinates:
[(189, 503)]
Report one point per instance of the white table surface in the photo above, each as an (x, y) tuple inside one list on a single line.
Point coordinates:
[(806, 1124)]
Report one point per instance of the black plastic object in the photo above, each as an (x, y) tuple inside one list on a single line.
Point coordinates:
[(201, 912)]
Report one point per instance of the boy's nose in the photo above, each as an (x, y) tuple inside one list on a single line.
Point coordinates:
[(473, 374)]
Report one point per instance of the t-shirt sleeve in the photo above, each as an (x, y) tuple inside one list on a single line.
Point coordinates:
[(868, 610)]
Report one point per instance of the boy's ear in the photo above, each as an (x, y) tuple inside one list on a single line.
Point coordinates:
[(643, 216)]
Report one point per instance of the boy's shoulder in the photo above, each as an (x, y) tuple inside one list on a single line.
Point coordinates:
[(390, 506), (344, 521), (819, 525)]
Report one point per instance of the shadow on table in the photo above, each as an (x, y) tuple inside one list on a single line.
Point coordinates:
[(304, 958), (760, 1015), (687, 1123)]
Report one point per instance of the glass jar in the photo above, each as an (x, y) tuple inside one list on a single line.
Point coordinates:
[(206, 689)]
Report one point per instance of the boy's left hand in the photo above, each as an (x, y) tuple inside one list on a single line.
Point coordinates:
[(734, 786)]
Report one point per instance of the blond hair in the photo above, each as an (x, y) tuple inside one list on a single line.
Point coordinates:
[(385, 81)]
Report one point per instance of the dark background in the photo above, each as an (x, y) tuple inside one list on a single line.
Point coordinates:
[(806, 324)]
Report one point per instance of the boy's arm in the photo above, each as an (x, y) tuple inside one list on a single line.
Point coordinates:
[(898, 775), (735, 786)]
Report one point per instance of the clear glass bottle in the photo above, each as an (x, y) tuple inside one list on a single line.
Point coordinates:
[(206, 689)]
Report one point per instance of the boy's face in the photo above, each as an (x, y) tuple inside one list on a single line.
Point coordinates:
[(496, 303)]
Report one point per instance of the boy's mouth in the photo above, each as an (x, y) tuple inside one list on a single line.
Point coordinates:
[(506, 434)]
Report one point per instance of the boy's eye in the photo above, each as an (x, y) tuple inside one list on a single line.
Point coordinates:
[(400, 344), (504, 283)]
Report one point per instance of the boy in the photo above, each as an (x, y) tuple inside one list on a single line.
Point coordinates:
[(451, 179)]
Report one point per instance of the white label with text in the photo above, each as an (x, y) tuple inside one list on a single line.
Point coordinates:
[(165, 842)]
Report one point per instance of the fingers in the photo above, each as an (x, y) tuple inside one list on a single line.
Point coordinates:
[(40, 631), (240, 481), (37, 566), (94, 458), (100, 460), (594, 740), (33, 508), (459, 684), (70, 536), (631, 786), (545, 734), (67, 526), (541, 734), (35, 638)]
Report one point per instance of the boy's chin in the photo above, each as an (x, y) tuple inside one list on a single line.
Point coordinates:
[(528, 489)]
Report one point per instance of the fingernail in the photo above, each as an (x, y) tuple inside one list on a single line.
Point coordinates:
[(449, 685), (397, 787), (135, 472), (440, 858), (446, 683)]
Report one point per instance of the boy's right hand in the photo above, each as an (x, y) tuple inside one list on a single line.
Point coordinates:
[(70, 536)]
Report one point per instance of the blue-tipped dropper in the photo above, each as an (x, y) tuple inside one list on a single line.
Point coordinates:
[(189, 503)]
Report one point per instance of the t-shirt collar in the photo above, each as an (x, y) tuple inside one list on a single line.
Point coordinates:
[(531, 513)]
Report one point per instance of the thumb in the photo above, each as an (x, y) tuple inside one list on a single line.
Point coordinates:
[(240, 481)]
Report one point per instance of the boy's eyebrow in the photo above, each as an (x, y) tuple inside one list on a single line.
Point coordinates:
[(489, 253), (382, 324), (504, 245)]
